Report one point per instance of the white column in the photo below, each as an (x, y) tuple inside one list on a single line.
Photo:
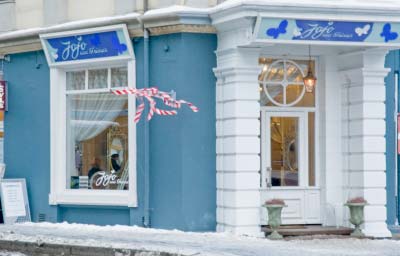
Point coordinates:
[(238, 142), (364, 138), (330, 145)]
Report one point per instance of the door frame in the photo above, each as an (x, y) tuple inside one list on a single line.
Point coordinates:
[(308, 194)]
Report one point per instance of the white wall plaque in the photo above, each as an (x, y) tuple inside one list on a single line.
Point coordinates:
[(14, 201)]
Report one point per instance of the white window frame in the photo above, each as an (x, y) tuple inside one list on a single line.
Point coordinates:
[(305, 111), (59, 194)]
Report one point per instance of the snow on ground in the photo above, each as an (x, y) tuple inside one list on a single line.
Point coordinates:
[(6, 253), (222, 244)]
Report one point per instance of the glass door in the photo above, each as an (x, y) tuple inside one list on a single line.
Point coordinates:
[(284, 149)]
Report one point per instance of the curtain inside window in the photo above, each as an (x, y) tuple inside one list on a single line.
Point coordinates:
[(88, 115)]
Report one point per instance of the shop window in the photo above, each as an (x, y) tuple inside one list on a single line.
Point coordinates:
[(97, 130), (93, 134), (98, 162)]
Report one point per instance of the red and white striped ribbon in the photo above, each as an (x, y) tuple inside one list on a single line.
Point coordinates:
[(149, 94)]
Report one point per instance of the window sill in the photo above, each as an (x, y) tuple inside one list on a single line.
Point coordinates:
[(93, 198)]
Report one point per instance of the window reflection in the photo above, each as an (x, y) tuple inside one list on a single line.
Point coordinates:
[(284, 151), (97, 141)]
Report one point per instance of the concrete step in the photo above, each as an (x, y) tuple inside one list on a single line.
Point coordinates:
[(309, 230)]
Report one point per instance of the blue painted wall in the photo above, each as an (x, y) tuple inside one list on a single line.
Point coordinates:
[(27, 141), (182, 167), (182, 148), (392, 61)]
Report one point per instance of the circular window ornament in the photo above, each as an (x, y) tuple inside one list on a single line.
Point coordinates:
[(279, 77)]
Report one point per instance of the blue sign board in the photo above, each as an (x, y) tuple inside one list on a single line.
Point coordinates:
[(328, 31), (78, 46)]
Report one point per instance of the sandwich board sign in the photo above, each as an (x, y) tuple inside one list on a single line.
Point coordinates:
[(14, 201)]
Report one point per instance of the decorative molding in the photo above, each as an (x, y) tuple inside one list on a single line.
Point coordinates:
[(20, 46), (183, 28)]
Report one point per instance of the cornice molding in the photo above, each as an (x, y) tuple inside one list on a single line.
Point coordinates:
[(182, 28)]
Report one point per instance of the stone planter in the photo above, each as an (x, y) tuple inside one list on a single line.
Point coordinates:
[(356, 217), (274, 219)]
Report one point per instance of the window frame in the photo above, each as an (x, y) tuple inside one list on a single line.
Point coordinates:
[(59, 194)]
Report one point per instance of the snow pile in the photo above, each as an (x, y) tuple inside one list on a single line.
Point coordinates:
[(6, 253), (187, 243)]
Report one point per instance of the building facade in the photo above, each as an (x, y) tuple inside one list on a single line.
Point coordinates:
[(261, 133)]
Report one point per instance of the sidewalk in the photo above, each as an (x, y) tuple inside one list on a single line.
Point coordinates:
[(124, 240)]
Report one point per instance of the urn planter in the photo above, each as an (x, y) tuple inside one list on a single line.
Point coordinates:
[(274, 208), (356, 207)]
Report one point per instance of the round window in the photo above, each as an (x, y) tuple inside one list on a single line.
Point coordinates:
[(283, 83)]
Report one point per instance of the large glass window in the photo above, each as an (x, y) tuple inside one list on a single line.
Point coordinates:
[(97, 131)]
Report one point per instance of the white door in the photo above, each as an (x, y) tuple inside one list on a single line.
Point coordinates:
[(285, 165)]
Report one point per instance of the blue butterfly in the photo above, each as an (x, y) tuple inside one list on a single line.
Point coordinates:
[(281, 29), (387, 34), (95, 40), (121, 48)]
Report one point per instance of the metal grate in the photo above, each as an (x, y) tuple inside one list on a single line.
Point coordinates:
[(41, 217)]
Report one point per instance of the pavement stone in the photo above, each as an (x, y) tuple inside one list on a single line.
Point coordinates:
[(44, 249)]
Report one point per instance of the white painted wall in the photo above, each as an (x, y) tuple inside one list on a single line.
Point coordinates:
[(7, 15), (55, 11), (29, 13), (84, 9), (24, 14), (127, 6)]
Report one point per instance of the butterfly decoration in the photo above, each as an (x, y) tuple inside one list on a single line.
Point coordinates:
[(281, 29), (362, 31), (121, 48), (387, 34), (95, 40)]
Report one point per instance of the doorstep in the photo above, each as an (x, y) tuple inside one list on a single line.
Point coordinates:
[(309, 230)]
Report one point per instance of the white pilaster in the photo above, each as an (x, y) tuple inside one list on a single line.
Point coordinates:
[(364, 134), (238, 142), (330, 156)]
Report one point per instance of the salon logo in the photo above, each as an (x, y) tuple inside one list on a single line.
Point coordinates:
[(331, 31), (73, 50), (106, 179), (316, 31), (88, 46)]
